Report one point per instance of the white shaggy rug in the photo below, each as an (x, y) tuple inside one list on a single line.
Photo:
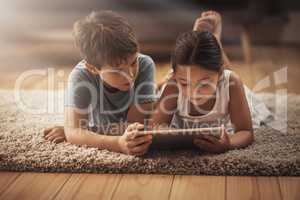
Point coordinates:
[(22, 147)]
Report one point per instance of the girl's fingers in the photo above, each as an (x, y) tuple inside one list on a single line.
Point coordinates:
[(225, 136), (204, 144), (211, 139), (210, 12)]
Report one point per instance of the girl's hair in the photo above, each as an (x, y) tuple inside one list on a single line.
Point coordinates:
[(198, 48), (104, 37)]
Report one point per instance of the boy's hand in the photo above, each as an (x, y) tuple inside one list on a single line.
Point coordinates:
[(132, 143), (211, 144), (55, 134)]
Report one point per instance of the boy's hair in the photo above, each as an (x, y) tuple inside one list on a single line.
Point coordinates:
[(197, 48), (104, 37)]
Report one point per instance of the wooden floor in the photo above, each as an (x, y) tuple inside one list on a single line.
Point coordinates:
[(124, 186), (118, 186)]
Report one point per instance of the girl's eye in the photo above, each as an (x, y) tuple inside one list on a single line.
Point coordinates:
[(183, 84), (203, 85)]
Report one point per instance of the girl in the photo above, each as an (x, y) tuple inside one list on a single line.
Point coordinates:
[(204, 94)]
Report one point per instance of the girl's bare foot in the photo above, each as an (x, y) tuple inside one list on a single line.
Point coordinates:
[(210, 21)]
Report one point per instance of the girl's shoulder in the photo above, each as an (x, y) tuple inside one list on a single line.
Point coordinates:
[(234, 79), (236, 86)]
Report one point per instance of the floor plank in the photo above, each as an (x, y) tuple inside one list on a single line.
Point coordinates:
[(144, 187), (90, 186), (198, 187), (241, 187), (6, 179), (290, 188), (238, 187), (35, 186), (269, 188)]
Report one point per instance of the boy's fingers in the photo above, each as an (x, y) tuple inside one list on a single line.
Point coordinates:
[(52, 137), (58, 140), (139, 141), (142, 152), (139, 126), (47, 130), (131, 127), (140, 148), (135, 126), (129, 136), (49, 135)]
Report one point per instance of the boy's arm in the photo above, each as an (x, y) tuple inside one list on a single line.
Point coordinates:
[(75, 134), (140, 112), (166, 106), (240, 114)]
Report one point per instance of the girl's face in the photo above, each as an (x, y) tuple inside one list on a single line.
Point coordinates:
[(121, 77), (196, 83)]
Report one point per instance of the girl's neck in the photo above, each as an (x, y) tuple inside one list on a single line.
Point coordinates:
[(199, 110)]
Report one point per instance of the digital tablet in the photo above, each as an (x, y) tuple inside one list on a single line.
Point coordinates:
[(170, 139)]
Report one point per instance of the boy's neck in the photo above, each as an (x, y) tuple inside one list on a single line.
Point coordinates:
[(110, 88)]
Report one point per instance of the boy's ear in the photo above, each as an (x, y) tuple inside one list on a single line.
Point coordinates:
[(92, 68)]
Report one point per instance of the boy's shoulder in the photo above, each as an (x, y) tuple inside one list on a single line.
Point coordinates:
[(145, 61), (80, 73)]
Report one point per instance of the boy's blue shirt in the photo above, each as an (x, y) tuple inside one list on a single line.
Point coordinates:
[(86, 92)]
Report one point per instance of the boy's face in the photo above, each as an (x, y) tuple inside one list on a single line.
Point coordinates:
[(121, 77), (196, 83)]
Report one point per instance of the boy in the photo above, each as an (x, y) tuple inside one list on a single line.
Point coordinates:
[(113, 84)]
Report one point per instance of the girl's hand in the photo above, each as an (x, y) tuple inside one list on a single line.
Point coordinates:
[(211, 144), (55, 134), (133, 144)]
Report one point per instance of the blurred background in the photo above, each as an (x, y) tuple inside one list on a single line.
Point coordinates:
[(259, 36)]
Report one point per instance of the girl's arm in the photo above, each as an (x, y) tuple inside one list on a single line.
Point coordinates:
[(239, 114), (226, 61)]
